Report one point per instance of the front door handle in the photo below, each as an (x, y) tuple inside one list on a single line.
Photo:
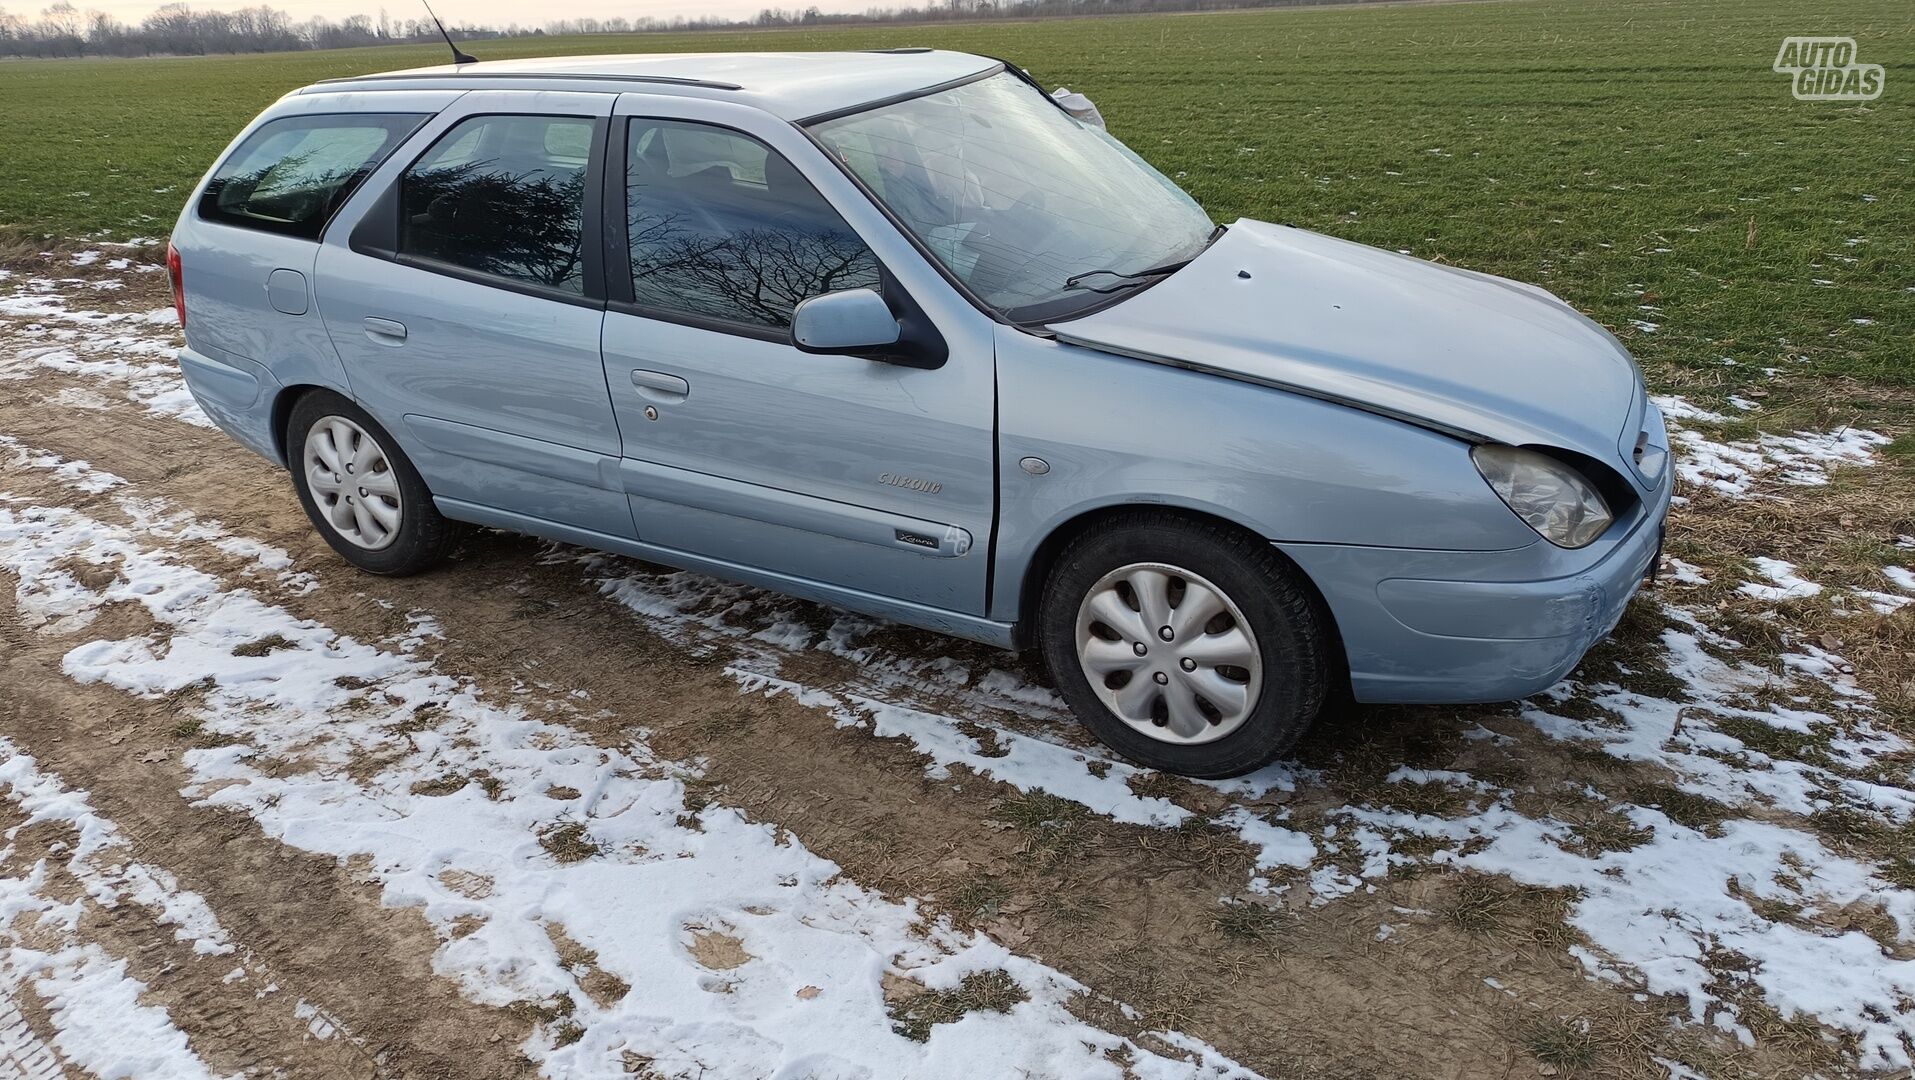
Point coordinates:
[(660, 387), (385, 331)]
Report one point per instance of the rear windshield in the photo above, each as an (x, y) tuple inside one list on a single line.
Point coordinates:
[(290, 175)]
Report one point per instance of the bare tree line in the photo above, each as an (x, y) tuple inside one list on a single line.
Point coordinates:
[(64, 29), (176, 29)]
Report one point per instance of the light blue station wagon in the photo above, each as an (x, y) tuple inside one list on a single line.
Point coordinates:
[(900, 332)]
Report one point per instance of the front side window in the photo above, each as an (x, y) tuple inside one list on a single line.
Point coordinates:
[(1019, 200), (502, 196), (291, 174), (722, 227)]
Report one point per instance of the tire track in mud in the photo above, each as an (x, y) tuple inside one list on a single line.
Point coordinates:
[(24, 1055), (305, 937)]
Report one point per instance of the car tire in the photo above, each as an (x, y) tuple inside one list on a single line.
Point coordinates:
[(1264, 655), (360, 490)]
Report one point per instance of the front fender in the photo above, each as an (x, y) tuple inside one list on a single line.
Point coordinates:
[(1116, 431)]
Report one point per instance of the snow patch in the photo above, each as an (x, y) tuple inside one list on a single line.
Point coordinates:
[(1787, 584), (660, 865), (116, 347), (94, 1006), (1732, 468)]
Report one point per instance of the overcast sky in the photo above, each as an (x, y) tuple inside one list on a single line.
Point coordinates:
[(488, 12)]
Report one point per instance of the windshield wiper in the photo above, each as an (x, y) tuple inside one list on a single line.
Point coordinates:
[(1125, 278), (1128, 278)]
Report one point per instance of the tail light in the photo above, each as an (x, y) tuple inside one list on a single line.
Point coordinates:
[(178, 277)]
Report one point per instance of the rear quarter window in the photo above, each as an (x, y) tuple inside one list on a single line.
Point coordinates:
[(291, 174)]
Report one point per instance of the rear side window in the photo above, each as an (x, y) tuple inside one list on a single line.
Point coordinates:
[(502, 196), (290, 175)]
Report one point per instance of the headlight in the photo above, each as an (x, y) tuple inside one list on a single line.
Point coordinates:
[(1552, 497)]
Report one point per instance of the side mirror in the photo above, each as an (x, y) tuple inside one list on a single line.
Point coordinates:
[(1079, 106), (856, 321)]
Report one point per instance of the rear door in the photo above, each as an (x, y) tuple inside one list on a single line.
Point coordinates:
[(467, 303), (248, 240), (740, 448)]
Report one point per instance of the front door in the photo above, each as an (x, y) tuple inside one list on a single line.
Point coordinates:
[(467, 306), (854, 473)]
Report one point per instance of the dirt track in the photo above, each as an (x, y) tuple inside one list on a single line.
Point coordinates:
[(921, 767)]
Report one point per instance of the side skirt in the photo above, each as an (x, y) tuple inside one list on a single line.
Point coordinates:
[(968, 627)]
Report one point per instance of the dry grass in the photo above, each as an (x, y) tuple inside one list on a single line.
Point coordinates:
[(422, 717), (544, 1012), (568, 842), (1629, 1040), (1682, 807), (1561, 1044), (1247, 921), (269, 644), (1801, 1039), (1854, 832), (1419, 851), (23, 249), (604, 988), (1606, 830), (914, 1015), (1359, 756), (988, 744), (1073, 909), (1810, 747), (1053, 829), (443, 785), (1197, 847), (1425, 798), (1496, 907), (976, 901), (1839, 535)]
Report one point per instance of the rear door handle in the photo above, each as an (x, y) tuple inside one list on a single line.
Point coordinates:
[(660, 387), (385, 331)]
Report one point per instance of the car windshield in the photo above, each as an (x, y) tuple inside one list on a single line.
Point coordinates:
[(1039, 214)]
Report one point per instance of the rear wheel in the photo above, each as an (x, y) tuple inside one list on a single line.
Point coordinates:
[(1184, 644), (360, 491)]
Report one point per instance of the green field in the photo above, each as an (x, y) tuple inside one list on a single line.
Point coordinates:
[(1621, 152)]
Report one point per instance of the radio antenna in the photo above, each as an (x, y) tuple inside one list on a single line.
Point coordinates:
[(457, 56)]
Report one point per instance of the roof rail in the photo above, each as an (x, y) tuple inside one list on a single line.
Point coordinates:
[(474, 73), (903, 50)]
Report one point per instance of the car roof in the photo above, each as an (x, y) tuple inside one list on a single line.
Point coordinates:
[(793, 85)]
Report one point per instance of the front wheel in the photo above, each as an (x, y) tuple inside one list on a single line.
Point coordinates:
[(360, 491), (1185, 645)]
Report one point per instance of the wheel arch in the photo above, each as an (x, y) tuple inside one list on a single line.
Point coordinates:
[(1044, 556), (283, 404)]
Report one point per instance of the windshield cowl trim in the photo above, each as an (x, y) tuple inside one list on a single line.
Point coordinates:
[(1063, 310), (1097, 300)]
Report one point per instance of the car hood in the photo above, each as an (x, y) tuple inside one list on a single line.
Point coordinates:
[(1477, 356)]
